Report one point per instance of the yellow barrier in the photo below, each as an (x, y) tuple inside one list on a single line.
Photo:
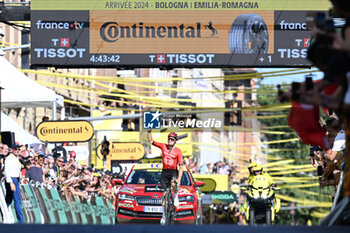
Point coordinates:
[(313, 193), (300, 186), (292, 171), (165, 79), (301, 179), (249, 143), (318, 214), (305, 202), (279, 162), (267, 117), (285, 166)]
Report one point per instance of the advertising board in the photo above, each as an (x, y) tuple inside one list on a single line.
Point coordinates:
[(65, 131), (182, 33)]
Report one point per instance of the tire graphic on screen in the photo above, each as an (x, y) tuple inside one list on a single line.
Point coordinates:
[(248, 35)]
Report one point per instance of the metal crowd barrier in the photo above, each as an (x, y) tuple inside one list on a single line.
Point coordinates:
[(43, 204)]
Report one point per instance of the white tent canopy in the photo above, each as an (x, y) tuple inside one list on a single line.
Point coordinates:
[(20, 91), (21, 136)]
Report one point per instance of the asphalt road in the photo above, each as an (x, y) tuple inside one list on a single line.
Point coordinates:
[(29, 228)]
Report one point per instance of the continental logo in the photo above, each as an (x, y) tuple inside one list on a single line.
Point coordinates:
[(65, 131), (74, 130), (113, 31), (164, 34)]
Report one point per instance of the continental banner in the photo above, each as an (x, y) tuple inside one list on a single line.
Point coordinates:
[(65, 131), (182, 33)]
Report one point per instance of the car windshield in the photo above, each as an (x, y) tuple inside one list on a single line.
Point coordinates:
[(152, 177)]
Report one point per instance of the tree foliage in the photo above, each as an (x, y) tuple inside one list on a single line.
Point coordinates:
[(301, 156)]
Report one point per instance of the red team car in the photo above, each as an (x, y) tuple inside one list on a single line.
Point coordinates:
[(140, 197)]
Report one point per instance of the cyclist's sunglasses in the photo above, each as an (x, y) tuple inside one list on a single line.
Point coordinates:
[(172, 139)]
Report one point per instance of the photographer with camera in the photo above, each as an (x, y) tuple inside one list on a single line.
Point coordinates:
[(327, 161), (315, 156), (330, 171)]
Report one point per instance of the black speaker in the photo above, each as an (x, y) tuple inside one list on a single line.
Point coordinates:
[(8, 138)]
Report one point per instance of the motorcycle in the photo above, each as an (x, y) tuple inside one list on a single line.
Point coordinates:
[(261, 205)]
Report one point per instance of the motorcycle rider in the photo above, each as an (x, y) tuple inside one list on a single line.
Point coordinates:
[(251, 173), (250, 179), (258, 171)]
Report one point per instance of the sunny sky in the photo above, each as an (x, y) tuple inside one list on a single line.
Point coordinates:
[(287, 78)]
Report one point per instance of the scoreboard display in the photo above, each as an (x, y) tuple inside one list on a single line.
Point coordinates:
[(168, 33)]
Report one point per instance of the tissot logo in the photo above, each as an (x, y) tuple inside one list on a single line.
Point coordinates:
[(113, 31)]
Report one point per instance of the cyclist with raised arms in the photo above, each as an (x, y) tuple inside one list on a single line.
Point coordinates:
[(171, 157)]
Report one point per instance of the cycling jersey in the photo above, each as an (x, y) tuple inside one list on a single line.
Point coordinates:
[(263, 176), (250, 178), (171, 158)]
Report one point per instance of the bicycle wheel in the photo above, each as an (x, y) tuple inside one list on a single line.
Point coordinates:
[(172, 210), (167, 207)]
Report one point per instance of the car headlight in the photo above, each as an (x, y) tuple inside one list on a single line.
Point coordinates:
[(188, 198), (123, 196)]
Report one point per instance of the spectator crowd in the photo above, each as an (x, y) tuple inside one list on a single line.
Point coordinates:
[(329, 51), (330, 162), (219, 167), (64, 173)]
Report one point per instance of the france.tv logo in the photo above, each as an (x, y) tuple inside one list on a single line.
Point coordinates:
[(151, 120)]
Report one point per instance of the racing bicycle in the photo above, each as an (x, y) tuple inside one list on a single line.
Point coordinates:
[(169, 205)]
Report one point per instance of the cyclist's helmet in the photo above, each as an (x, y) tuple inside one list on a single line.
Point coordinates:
[(258, 168), (172, 135)]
